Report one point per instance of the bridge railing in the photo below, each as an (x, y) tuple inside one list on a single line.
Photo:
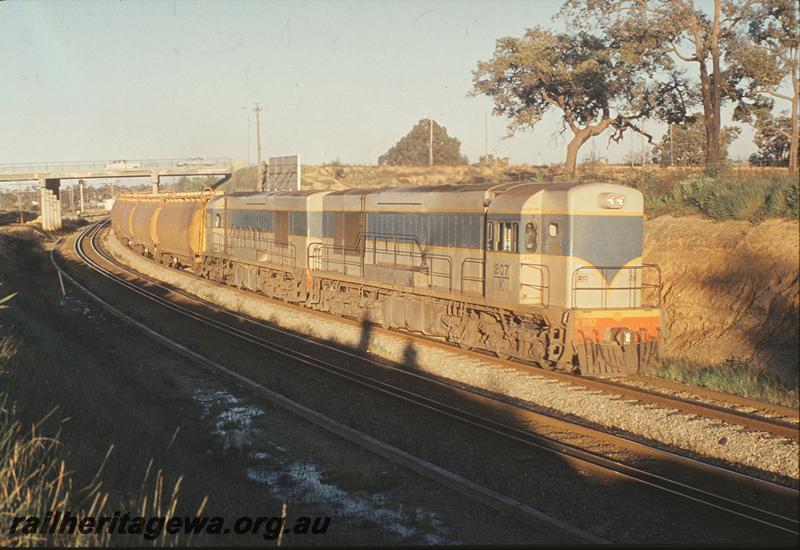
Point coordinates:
[(133, 164)]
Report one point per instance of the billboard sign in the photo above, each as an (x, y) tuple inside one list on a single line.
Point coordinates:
[(283, 173)]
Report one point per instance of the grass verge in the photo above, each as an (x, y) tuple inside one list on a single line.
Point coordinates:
[(732, 377)]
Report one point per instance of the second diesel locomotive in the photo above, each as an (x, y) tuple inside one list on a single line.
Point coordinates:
[(550, 274)]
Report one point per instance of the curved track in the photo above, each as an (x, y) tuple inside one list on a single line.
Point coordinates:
[(697, 494)]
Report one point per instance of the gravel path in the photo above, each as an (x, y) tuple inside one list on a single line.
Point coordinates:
[(693, 434)]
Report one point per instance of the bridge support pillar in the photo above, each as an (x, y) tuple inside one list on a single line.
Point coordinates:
[(155, 179), (50, 203), (80, 186)]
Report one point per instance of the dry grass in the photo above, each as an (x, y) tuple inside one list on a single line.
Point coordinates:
[(34, 480), (732, 377)]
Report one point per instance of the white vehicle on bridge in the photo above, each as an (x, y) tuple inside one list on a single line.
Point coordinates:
[(123, 165), (196, 161)]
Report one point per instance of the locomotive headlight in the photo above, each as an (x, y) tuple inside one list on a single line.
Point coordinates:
[(611, 200), (624, 336)]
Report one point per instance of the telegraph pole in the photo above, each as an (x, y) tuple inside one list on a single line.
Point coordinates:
[(258, 110), (260, 171), (486, 137), (430, 143), (19, 203), (81, 183), (632, 155), (644, 153), (671, 146)]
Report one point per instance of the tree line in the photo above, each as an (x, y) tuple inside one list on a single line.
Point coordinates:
[(626, 61)]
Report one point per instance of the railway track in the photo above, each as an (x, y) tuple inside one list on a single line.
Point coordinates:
[(710, 494), (778, 421)]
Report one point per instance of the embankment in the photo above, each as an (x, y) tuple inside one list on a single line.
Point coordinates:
[(730, 290)]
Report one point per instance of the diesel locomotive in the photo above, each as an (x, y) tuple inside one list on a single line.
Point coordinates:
[(549, 274)]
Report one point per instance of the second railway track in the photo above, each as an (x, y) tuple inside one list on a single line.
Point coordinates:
[(709, 487)]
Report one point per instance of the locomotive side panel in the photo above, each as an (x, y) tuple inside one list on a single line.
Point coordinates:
[(431, 234)]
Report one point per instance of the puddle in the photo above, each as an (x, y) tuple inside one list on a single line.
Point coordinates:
[(296, 482), (232, 421), (76, 305), (300, 482)]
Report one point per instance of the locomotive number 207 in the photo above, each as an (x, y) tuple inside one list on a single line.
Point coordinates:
[(501, 270)]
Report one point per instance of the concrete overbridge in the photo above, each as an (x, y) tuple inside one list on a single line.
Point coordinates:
[(50, 174)]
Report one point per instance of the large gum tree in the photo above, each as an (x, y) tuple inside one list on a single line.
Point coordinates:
[(594, 82), (766, 56), (683, 31)]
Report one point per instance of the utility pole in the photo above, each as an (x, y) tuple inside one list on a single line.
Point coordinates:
[(671, 146), (644, 153), (258, 110), (81, 183), (19, 203), (260, 172), (430, 143), (485, 137), (632, 155)]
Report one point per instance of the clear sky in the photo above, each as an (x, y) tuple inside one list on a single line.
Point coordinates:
[(85, 80)]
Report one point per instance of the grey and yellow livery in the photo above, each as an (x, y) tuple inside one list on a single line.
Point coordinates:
[(550, 274)]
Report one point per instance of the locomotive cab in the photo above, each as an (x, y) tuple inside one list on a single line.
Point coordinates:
[(578, 248)]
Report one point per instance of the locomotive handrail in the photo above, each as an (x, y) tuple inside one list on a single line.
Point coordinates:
[(319, 257), (635, 272), (285, 252), (395, 239), (428, 260), (433, 274), (206, 193), (480, 279), (543, 287), (318, 252)]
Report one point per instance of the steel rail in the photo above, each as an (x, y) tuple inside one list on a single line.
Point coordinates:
[(750, 421), (587, 457), (504, 504), (620, 439)]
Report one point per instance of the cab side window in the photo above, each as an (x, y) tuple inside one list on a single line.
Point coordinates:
[(501, 237), (530, 237), (513, 229), (507, 237)]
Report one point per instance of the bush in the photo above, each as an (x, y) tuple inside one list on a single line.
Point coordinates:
[(754, 199)]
